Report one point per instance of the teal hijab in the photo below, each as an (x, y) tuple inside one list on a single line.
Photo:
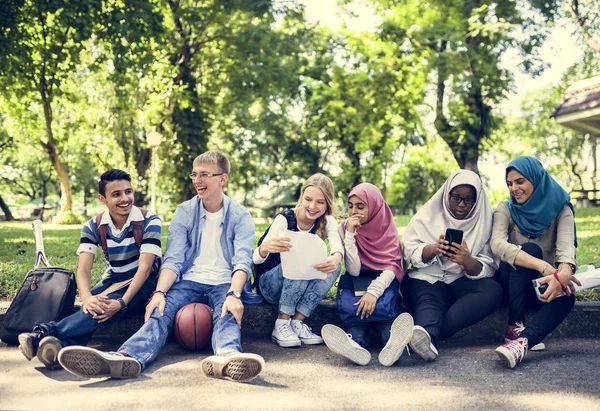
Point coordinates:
[(546, 202)]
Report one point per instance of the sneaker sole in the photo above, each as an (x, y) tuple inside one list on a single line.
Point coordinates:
[(26, 346), (538, 347), (312, 341), (240, 367), (87, 362), (48, 353), (421, 344), (506, 356), (400, 335), (336, 340), (286, 344)]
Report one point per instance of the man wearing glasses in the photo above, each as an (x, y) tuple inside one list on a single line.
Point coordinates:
[(208, 260)]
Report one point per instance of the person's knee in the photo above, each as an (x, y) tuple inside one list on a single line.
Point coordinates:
[(533, 250)]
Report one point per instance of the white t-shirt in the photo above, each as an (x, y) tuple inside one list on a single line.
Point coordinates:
[(210, 266)]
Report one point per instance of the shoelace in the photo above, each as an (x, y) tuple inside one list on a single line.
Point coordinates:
[(519, 328), (305, 329), (286, 330), (517, 349)]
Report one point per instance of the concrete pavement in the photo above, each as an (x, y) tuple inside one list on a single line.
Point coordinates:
[(564, 377)]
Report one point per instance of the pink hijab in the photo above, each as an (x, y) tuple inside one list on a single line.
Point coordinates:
[(377, 239)]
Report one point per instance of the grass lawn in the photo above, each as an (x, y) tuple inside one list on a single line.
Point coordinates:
[(17, 250)]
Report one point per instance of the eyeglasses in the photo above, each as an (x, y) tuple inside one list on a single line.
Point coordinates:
[(203, 176), (468, 201)]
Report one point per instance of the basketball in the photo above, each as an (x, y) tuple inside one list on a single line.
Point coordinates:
[(193, 326)]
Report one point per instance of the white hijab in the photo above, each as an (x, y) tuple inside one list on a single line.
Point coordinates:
[(435, 217)]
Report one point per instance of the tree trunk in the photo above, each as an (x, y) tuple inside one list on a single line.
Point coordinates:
[(7, 214), (66, 200)]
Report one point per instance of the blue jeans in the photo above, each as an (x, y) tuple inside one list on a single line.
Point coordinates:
[(292, 296), (361, 332), (146, 343), (78, 328)]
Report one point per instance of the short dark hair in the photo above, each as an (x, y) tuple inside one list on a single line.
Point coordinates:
[(111, 175)]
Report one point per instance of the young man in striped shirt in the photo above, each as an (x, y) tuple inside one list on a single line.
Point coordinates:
[(130, 240)]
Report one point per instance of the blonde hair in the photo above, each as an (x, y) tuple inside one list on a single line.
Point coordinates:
[(213, 157), (324, 183)]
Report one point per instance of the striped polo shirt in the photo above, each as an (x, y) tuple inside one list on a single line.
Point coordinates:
[(123, 254)]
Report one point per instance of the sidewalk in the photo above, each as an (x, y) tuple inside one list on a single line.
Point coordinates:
[(464, 377), (582, 322)]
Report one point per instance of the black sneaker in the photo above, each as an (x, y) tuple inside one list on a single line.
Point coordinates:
[(47, 352), (28, 344)]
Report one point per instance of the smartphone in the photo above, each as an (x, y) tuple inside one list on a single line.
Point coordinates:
[(453, 236), (541, 289)]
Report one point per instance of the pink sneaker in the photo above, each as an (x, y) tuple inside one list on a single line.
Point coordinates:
[(514, 331), (513, 352)]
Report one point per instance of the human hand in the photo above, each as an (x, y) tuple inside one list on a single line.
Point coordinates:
[(565, 273), (235, 307), (353, 222), (461, 255), (94, 304), (331, 265), (275, 245), (159, 301), (366, 305), (441, 246), (113, 307)]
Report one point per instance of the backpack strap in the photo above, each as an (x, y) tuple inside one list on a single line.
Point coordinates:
[(102, 233)]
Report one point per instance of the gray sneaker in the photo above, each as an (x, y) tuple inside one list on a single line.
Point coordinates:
[(422, 345), (400, 335), (88, 362), (28, 344), (48, 351), (341, 343), (240, 367)]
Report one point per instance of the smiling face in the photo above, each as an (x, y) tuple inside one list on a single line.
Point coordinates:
[(313, 204), (209, 188), (358, 207), (118, 198), (519, 187), (461, 200)]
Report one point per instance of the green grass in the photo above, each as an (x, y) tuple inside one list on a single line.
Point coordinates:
[(17, 250)]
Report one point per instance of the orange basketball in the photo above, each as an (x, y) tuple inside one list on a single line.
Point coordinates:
[(193, 326)]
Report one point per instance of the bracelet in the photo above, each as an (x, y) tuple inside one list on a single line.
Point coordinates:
[(544, 267), (564, 288), (156, 292)]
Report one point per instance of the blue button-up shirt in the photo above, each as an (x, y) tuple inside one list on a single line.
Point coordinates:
[(237, 239)]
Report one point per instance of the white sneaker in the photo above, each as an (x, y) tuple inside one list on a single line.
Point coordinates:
[(305, 334), (400, 335), (236, 366), (422, 345), (341, 343), (284, 336)]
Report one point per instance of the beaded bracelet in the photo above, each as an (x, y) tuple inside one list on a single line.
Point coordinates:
[(564, 288)]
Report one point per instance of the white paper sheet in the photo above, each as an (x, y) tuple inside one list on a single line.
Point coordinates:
[(307, 250), (589, 279)]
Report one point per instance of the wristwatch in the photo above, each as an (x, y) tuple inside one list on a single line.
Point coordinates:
[(234, 293), (123, 305)]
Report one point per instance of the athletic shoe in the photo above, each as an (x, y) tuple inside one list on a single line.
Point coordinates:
[(305, 334), (400, 335), (28, 344), (341, 343), (48, 351), (237, 366), (514, 331), (88, 362), (513, 352), (284, 336), (422, 345)]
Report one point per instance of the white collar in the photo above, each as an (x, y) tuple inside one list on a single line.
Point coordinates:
[(134, 215)]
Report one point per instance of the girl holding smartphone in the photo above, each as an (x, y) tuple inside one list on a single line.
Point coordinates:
[(534, 235), (448, 287)]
